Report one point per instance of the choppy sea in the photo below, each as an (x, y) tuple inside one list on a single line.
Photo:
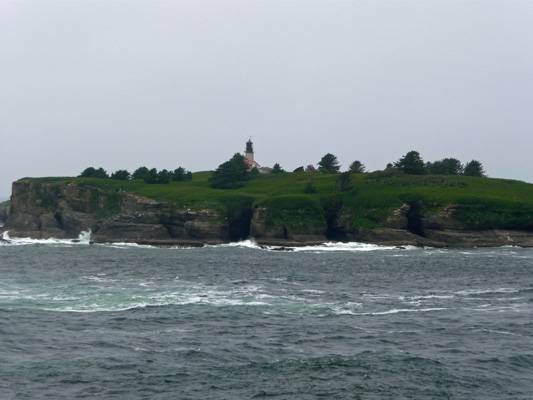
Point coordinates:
[(337, 321)]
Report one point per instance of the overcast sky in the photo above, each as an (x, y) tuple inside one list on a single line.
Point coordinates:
[(122, 84)]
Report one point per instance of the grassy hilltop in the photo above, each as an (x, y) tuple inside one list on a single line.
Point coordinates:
[(480, 203)]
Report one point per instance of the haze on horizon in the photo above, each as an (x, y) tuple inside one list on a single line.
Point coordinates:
[(164, 84)]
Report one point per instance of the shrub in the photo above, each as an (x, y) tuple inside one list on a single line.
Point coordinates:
[(120, 175)]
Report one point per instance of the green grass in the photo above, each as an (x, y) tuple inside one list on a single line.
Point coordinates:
[(293, 211), (480, 202)]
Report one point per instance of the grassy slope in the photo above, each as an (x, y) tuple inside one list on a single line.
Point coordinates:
[(484, 202)]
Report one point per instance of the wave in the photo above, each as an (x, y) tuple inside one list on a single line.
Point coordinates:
[(324, 247), (393, 311), (477, 292), (84, 238), (350, 246)]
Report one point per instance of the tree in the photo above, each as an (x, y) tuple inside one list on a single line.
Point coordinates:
[(474, 168), (151, 176), (100, 173), (139, 173), (181, 174), (230, 174), (357, 167), (344, 182), (120, 175), (94, 173), (446, 166), (329, 164), (411, 163), (164, 176), (87, 173), (276, 169)]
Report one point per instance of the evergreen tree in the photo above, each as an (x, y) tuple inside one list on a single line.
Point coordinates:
[(329, 164), (276, 169), (87, 173), (446, 166), (151, 176), (100, 173), (139, 173), (357, 167), (120, 175), (474, 168), (181, 174), (164, 176), (411, 163), (230, 174)]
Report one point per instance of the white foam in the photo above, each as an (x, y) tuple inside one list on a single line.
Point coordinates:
[(327, 246), (250, 244), (432, 296), (486, 291), (404, 310), (125, 245), (350, 246), (84, 238)]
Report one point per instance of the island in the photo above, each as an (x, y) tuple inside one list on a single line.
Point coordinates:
[(386, 207)]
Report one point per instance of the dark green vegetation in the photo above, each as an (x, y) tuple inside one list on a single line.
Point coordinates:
[(369, 199), (357, 167), (150, 176), (329, 164), (232, 174), (413, 164)]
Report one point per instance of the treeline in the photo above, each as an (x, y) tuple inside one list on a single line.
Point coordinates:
[(412, 163), (148, 175), (235, 172)]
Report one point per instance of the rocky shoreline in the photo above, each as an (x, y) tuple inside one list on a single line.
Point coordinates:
[(44, 210)]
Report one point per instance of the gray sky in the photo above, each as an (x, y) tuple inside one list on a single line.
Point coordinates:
[(122, 84)]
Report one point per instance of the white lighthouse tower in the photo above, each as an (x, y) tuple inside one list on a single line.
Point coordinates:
[(249, 156), (249, 152)]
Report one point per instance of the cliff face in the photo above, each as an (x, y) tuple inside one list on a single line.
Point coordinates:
[(43, 210), (4, 213), (410, 225)]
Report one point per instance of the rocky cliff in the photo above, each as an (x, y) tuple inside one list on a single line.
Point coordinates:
[(42, 210)]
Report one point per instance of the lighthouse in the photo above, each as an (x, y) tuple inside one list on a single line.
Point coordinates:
[(249, 157), (249, 152)]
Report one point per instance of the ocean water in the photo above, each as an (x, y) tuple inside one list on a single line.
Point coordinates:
[(338, 321)]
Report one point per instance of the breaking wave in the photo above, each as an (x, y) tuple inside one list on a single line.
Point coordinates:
[(84, 238)]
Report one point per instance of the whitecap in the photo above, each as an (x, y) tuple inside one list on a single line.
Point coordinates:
[(403, 310), (486, 291), (84, 238), (248, 243), (348, 247)]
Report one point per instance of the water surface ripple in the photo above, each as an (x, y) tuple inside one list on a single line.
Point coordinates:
[(239, 322)]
